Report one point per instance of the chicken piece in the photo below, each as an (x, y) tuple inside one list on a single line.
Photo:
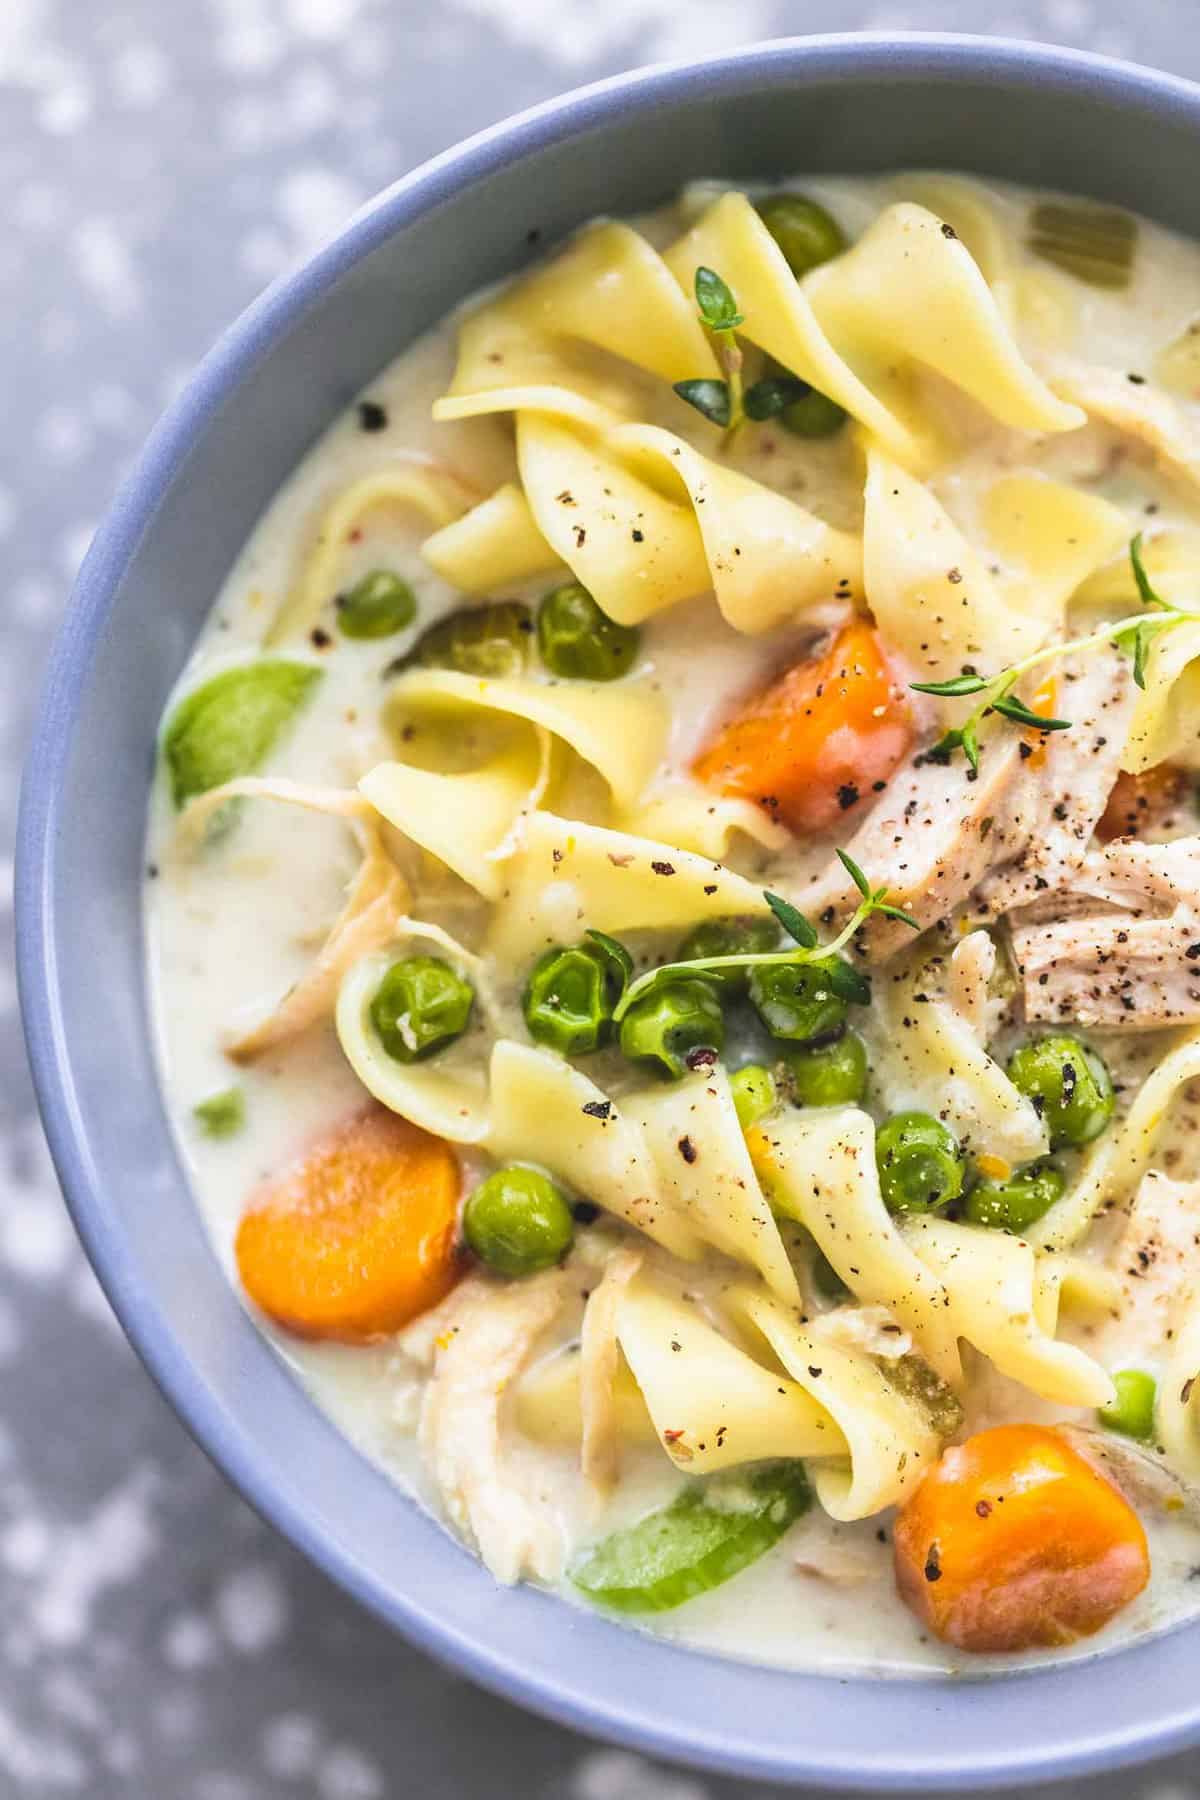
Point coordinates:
[(1075, 772), (1130, 962), (1152, 1259), (478, 1342), (931, 840)]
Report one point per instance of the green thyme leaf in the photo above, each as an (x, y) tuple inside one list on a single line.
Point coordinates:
[(897, 912), (1145, 586), (855, 873), (970, 744), (966, 683), (1016, 710), (793, 922), (847, 982), (718, 308), (708, 397)]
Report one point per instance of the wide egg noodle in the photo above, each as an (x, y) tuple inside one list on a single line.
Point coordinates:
[(566, 876), (1177, 1404), (473, 820), (997, 1305), (547, 1112), (832, 330), (694, 818), (938, 598), (818, 1167), (714, 1406), (704, 1169), (495, 544), (619, 727), (890, 1444)]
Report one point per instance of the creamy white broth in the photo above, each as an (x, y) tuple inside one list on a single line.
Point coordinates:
[(228, 931)]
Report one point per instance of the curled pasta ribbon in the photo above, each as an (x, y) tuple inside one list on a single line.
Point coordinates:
[(489, 547), (1116, 1162), (534, 348), (550, 342), (370, 917), (998, 1303), (889, 1441), (437, 495), (645, 521), (712, 1405), (935, 1063), (1164, 425), (936, 596), (475, 820), (818, 1167)]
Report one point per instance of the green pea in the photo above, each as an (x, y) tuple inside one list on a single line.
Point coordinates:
[(380, 605), (420, 1006), (230, 724), (1132, 1412), (1069, 1085), (569, 999), (518, 1222), (754, 1095), (920, 1164), (728, 937), (813, 415), (577, 640), (804, 231), (833, 1074), (493, 641), (799, 1000), (1016, 1204), (671, 1022)]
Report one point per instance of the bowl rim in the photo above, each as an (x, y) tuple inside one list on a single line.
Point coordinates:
[(933, 55)]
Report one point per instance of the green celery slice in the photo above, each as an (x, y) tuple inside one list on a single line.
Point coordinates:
[(228, 726), (709, 1532)]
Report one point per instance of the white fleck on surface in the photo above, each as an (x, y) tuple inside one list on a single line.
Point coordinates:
[(112, 1544), (315, 203), (251, 1609), (104, 261), (290, 1745)]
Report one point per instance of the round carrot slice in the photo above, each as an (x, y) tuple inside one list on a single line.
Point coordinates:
[(1013, 1541), (357, 1237), (823, 736)]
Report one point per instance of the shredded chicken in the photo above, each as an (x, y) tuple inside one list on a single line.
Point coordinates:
[(478, 1342), (931, 839), (1151, 1259), (600, 1355), (1069, 779), (869, 1328), (1131, 959)]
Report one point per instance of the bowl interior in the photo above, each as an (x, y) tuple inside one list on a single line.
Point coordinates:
[(270, 387)]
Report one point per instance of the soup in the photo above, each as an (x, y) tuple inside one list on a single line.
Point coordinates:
[(672, 912)]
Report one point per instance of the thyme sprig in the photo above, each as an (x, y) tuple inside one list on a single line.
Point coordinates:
[(809, 949), (1134, 634), (719, 401)]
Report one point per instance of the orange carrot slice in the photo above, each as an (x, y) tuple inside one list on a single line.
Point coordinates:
[(819, 739), (1015, 1542), (357, 1237)]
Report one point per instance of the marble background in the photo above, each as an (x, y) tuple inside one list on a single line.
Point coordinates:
[(160, 162)]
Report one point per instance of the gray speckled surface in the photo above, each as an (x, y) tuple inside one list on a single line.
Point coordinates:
[(160, 161)]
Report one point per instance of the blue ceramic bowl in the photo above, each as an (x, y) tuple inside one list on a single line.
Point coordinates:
[(271, 385)]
